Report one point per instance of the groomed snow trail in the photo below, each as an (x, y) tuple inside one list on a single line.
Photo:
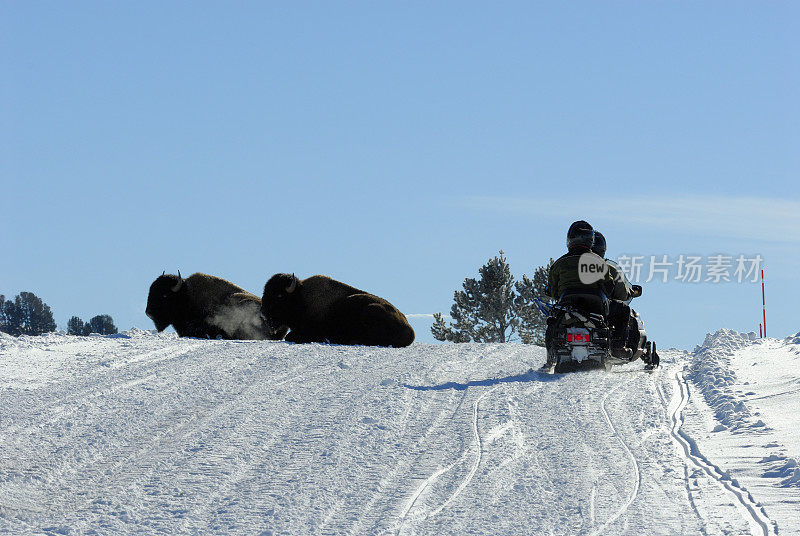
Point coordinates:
[(151, 434), (636, 474), (760, 522)]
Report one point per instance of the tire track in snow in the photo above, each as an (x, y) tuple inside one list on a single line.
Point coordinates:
[(758, 519), (479, 448), (224, 446), (140, 462), (413, 457), (369, 510), (636, 472), (689, 492), (433, 477), (428, 481), (436, 474), (66, 400)]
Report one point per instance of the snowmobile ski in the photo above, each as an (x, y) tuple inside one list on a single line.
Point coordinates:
[(548, 368)]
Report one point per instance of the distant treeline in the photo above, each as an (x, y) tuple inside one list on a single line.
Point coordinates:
[(102, 324), (27, 314)]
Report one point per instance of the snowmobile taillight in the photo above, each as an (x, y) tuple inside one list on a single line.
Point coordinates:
[(578, 336)]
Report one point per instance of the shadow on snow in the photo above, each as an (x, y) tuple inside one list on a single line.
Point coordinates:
[(527, 377)]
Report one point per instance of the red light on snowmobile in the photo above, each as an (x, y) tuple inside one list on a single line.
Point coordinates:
[(578, 337)]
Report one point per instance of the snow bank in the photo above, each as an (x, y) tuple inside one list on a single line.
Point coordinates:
[(753, 387), (710, 370), (794, 340)]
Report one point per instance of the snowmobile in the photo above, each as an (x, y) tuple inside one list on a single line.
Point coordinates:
[(579, 336)]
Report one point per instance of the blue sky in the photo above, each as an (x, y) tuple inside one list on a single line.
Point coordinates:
[(397, 146)]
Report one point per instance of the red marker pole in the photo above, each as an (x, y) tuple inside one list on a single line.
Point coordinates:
[(760, 331), (763, 303)]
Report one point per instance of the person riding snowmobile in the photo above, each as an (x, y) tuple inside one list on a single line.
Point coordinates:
[(564, 276), (619, 292), (564, 279)]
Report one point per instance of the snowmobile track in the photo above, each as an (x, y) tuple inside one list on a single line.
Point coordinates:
[(433, 477), (635, 473), (479, 453), (437, 473), (477, 446), (759, 521)]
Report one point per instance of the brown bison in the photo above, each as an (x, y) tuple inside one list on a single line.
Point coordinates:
[(320, 309), (205, 306)]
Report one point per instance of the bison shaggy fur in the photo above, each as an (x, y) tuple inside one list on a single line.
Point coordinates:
[(206, 306), (321, 309)]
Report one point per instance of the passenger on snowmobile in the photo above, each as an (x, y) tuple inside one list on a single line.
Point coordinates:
[(619, 292), (580, 326), (564, 279)]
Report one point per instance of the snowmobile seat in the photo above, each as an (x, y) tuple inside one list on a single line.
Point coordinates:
[(587, 300)]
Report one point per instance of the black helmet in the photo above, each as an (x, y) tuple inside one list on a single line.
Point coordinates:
[(580, 234), (599, 246), (580, 224)]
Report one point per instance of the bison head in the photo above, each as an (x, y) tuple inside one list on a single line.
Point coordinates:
[(281, 294), (163, 298)]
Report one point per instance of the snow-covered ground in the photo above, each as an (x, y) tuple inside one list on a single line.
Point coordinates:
[(150, 434), (746, 416)]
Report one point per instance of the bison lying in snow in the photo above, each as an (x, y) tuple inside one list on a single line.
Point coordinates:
[(207, 307), (320, 309)]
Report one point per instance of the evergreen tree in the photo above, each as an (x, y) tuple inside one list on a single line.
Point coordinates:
[(76, 326), (102, 324), (484, 310), (11, 321), (532, 322), (441, 332), (2, 313), (27, 315)]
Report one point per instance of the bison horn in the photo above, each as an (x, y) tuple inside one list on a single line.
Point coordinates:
[(293, 286), (178, 285), (164, 272)]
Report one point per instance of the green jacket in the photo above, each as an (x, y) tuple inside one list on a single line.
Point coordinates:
[(621, 288), (564, 276)]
